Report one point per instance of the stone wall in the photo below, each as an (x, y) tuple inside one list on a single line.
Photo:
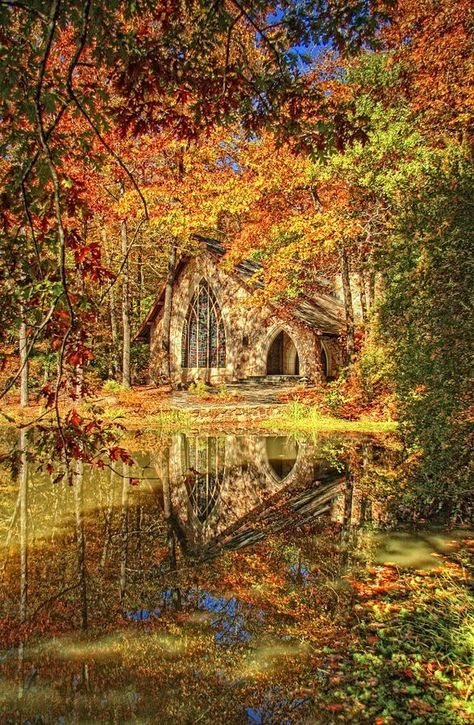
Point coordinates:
[(249, 329)]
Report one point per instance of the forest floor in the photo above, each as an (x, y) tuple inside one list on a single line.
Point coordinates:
[(236, 407)]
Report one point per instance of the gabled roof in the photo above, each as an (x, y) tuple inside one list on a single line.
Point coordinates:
[(323, 312)]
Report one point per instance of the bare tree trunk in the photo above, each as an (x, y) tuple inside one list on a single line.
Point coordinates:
[(23, 360), (139, 285), (167, 308), (125, 308), (79, 387), (114, 360), (363, 298), (348, 305), (371, 289)]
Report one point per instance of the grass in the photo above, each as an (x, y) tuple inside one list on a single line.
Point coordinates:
[(296, 417), (169, 421)]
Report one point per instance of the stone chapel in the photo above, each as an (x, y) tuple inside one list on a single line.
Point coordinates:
[(218, 336)]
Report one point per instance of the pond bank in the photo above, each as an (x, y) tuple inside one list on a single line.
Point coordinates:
[(246, 408)]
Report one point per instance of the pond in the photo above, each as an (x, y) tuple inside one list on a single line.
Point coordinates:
[(201, 584)]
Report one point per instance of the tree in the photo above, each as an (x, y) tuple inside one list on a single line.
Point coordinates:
[(95, 69)]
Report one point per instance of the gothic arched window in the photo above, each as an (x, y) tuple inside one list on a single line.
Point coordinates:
[(203, 338)]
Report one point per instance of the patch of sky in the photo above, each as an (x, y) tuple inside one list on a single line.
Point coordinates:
[(228, 622), (300, 573)]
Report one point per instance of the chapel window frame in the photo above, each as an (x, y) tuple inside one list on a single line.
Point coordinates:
[(203, 337)]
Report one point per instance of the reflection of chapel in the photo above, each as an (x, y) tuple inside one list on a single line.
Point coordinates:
[(218, 336), (222, 487)]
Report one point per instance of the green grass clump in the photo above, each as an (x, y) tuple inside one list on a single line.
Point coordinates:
[(170, 421), (114, 412), (199, 389), (306, 418), (112, 386)]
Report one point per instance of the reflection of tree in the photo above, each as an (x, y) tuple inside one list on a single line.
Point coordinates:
[(23, 510), (80, 540), (23, 499), (108, 520), (168, 512), (124, 531), (171, 524)]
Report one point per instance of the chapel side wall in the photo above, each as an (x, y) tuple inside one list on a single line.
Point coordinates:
[(249, 329), (157, 364)]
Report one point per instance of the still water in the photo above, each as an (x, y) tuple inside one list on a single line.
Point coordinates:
[(178, 589)]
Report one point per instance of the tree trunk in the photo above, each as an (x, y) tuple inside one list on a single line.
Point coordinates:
[(348, 306), (23, 346), (114, 359), (166, 340), (139, 286), (363, 298), (125, 308), (371, 290)]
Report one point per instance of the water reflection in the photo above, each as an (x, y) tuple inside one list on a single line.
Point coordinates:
[(102, 580), (228, 491), (282, 453)]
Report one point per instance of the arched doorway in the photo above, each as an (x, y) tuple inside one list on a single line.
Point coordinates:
[(282, 358)]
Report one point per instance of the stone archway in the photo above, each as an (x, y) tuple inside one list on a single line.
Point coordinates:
[(282, 355)]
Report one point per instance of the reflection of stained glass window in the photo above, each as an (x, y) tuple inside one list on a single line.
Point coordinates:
[(203, 343), (203, 463)]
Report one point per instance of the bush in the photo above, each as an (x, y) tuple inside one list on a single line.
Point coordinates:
[(334, 396), (112, 386), (199, 389)]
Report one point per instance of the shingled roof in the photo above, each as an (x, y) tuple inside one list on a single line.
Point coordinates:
[(322, 312)]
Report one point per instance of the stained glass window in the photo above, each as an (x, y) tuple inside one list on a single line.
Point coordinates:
[(203, 342)]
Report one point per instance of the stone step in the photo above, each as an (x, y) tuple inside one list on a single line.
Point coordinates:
[(271, 380)]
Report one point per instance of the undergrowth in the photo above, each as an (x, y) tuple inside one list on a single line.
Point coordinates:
[(298, 416)]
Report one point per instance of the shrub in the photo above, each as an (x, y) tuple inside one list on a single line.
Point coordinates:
[(335, 396), (112, 386), (199, 389)]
